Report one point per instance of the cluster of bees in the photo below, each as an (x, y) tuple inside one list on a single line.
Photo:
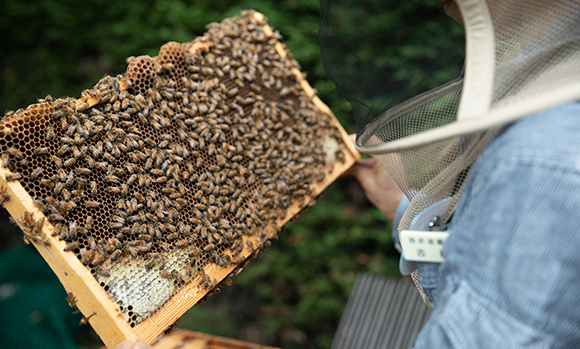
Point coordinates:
[(32, 229), (186, 151)]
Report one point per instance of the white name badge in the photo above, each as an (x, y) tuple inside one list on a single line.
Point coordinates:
[(423, 243), (423, 246)]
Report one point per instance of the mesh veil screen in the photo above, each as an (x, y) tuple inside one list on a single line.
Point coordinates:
[(537, 48)]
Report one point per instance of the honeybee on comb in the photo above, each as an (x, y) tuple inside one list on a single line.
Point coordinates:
[(166, 179)]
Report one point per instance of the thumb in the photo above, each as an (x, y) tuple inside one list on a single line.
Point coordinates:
[(352, 137)]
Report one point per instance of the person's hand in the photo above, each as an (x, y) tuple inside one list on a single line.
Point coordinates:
[(379, 186), (132, 345)]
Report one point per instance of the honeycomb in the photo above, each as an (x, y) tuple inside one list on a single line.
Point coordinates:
[(182, 162)]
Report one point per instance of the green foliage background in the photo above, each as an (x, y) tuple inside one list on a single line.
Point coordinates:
[(293, 295)]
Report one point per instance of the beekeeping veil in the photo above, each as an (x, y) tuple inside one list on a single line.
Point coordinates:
[(520, 57)]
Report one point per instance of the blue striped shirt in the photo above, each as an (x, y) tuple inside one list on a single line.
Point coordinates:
[(511, 278)]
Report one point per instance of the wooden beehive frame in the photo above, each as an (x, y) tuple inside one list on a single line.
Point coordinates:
[(91, 299), (183, 339), (196, 340)]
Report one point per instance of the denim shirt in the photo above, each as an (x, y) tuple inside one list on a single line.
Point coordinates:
[(511, 278)]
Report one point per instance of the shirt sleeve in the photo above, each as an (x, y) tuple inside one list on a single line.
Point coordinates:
[(511, 277)]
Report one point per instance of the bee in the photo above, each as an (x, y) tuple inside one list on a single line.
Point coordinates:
[(156, 172), (85, 256), (150, 263), (116, 106), (36, 172), (58, 229), (73, 228), (85, 320), (92, 203), (93, 186), (50, 134), (75, 151), (211, 149), (100, 270), (116, 255), (30, 235), (37, 225), (145, 237), (66, 139), (81, 186), (111, 178), (125, 103), (69, 162), (133, 251), (4, 197), (7, 131), (71, 246), (97, 259), (178, 278), (89, 222), (145, 247), (83, 171), (15, 152), (146, 180), (6, 160), (15, 176), (185, 229), (23, 162), (165, 246), (166, 67), (131, 179), (41, 151), (236, 249), (109, 157), (181, 243), (114, 243), (115, 225), (161, 180), (71, 299), (96, 151), (118, 217)]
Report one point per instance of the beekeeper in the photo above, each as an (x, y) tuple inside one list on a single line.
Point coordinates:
[(481, 175)]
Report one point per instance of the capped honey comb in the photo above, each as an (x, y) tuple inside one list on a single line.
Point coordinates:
[(157, 186)]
